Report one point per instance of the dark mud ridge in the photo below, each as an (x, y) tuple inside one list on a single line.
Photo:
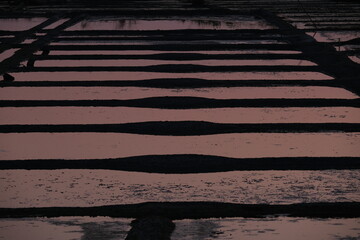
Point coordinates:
[(194, 210), (173, 83), (185, 128), (187, 103), (189, 163)]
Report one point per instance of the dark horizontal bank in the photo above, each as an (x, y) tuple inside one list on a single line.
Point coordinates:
[(172, 56), (166, 47), (194, 210), (181, 32), (173, 83), (171, 37), (258, 33), (188, 163), (175, 68), (185, 128), (186, 103)]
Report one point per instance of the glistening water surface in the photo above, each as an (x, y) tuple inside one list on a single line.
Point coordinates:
[(105, 228), (49, 188), (98, 115), (16, 146), (123, 93)]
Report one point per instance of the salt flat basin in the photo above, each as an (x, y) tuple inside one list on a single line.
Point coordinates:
[(7, 53), (109, 115), (16, 146), (124, 93), (143, 62), (89, 76), (19, 24), (57, 23), (106, 228), (84, 188), (240, 22), (330, 36)]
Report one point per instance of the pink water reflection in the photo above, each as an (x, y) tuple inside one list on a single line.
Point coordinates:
[(123, 93), (14, 146), (19, 24), (84, 188), (112, 76), (8, 53), (98, 115), (269, 228), (143, 62)]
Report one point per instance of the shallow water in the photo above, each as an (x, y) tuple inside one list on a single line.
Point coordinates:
[(143, 62), (123, 93), (133, 76), (49, 188), (19, 24), (7, 53), (93, 115), (105, 228), (16, 146)]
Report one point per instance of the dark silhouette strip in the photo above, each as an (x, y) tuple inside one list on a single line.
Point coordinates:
[(172, 83), (188, 163), (185, 128), (194, 210)]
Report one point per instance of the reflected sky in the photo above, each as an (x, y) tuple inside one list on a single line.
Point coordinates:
[(103, 115), (83, 188), (143, 62), (105, 228), (16, 146), (123, 93), (19, 24), (38, 188)]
